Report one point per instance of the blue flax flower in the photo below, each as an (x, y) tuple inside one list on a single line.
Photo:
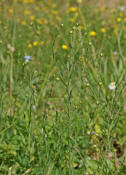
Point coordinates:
[(27, 58)]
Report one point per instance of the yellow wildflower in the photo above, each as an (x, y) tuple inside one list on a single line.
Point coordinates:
[(92, 33), (29, 45), (88, 132), (58, 18), (44, 9), (103, 30), (38, 32), (18, 20), (102, 9), (27, 12), (64, 47), (72, 20), (72, 9), (36, 8), (23, 23), (79, 1), (35, 43), (124, 29), (11, 11), (45, 21), (57, 78), (42, 42), (125, 19), (54, 12), (32, 18), (28, 1), (39, 21), (121, 14), (53, 5), (119, 19)]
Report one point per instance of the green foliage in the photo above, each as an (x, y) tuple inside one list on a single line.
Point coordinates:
[(62, 110)]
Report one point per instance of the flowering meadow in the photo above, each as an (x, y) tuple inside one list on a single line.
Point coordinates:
[(63, 87)]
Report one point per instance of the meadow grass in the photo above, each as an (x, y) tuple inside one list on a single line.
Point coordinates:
[(62, 90)]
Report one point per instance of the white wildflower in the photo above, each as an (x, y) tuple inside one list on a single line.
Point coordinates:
[(112, 86), (121, 8)]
